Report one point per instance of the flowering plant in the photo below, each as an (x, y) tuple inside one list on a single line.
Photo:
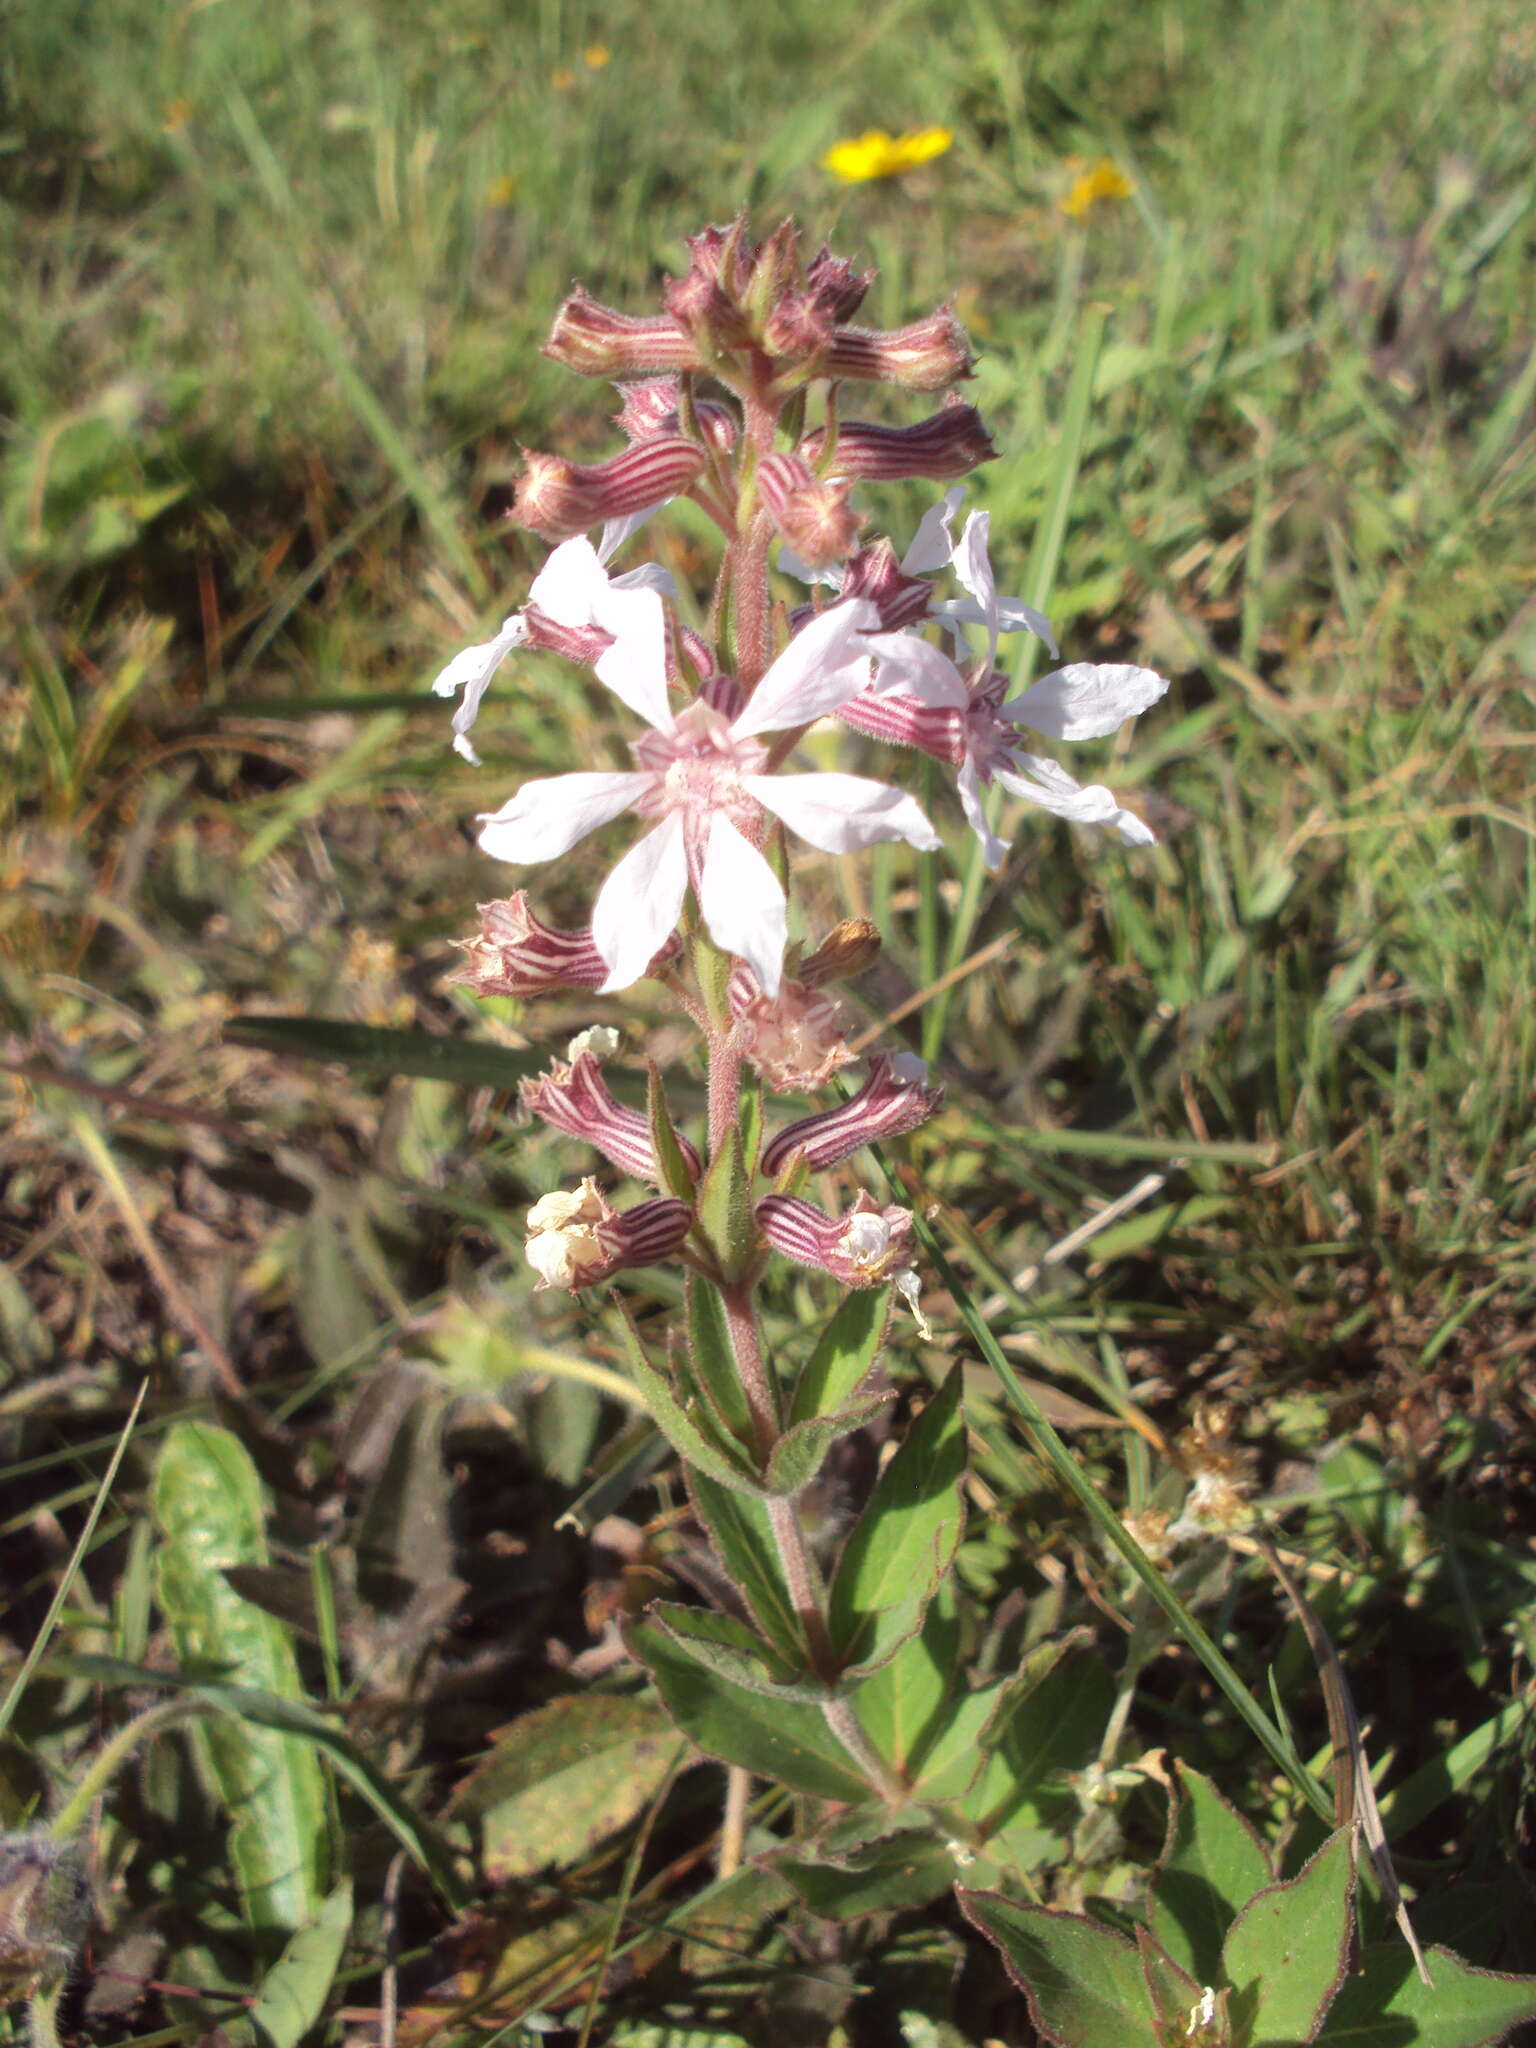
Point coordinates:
[(803, 1669)]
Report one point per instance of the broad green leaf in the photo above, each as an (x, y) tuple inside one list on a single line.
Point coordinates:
[(904, 1867), (1176, 1997), (734, 1652), (1083, 1982), (562, 1779), (906, 1538), (1212, 1864), (1286, 1953), (800, 1452), (683, 1428), (724, 1207), (415, 1834), (1020, 1802), (1383, 2003), (377, 1049), (783, 1739), (712, 1362), (904, 1707), (208, 1506), (674, 1171), (845, 1354), (293, 1992), (743, 1536)]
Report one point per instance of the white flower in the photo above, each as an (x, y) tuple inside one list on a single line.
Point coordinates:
[(574, 589), (701, 777)]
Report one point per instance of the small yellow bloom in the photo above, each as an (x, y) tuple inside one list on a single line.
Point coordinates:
[(178, 113), (501, 191), (1093, 183), (595, 56), (562, 79), (874, 154)]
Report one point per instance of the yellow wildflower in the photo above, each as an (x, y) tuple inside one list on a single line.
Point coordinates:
[(562, 79), (595, 56), (1094, 182), (874, 154), (501, 191), (178, 113)]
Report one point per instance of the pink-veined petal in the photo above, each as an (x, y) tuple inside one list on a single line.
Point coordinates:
[(972, 802), (1086, 700), (841, 813), (823, 666), (933, 544), (910, 667), (638, 906), (635, 666), (743, 905), (1048, 784), (547, 817)]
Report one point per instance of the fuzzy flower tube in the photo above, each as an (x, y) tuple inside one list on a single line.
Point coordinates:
[(734, 394)]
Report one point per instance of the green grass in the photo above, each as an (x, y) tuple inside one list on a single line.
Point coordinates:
[(275, 279)]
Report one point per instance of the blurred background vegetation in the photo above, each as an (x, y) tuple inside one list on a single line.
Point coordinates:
[(274, 280)]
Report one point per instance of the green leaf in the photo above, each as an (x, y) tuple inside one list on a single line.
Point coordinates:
[(743, 1536), (727, 1466), (208, 1505), (906, 1538), (1083, 1982), (374, 1049), (845, 1354), (1174, 1993), (904, 1707), (801, 1451), (734, 1652), (674, 1172), (1212, 1864), (898, 1868), (1287, 1950), (725, 1207), (712, 1361), (785, 1740), (562, 1779), (292, 1717), (293, 1992), (1383, 2004), (1041, 1725)]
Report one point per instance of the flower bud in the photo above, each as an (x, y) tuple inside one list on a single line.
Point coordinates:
[(515, 953), (875, 573), (847, 950), (948, 445), (595, 341), (813, 517), (575, 1240), (895, 1098), (834, 282), (45, 1909), (861, 1249), (794, 1039), (559, 499), (575, 1099), (934, 729), (652, 408), (930, 355), (798, 332)]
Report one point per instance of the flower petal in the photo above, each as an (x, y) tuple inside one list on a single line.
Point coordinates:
[(840, 813), (790, 564), (569, 585), (635, 666), (472, 671), (1086, 700), (933, 544), (968, 782), (911, 667), (743, 905), (1048, 784), (973, 565), (1013, 616), (823, 666), (547, 817), (638, 906), (617, 531)]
